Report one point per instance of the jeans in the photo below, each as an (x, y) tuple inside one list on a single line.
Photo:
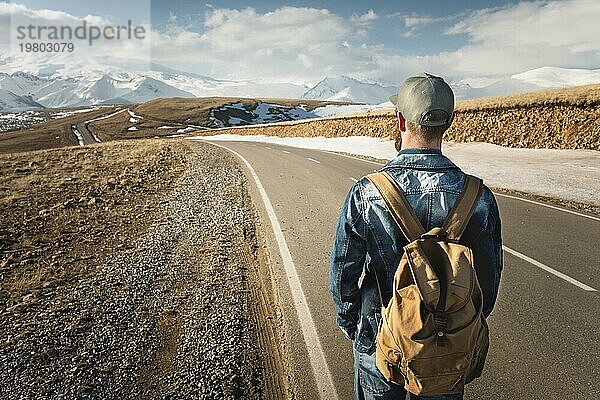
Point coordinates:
[(369, 384)]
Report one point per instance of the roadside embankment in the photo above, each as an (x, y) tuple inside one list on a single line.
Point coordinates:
[(554, 119), (129, 270)]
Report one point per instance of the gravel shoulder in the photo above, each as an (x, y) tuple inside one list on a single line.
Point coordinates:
[(158, 292)]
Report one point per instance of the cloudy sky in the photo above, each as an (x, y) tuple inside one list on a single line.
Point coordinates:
[(303, 41)]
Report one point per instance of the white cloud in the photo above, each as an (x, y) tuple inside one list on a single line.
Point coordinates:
[(43, 21), (293, 43), (413, 21), (504, 41), (528, 35), (301, 44), (366, 17)]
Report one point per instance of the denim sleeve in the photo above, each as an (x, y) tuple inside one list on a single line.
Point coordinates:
[(487, 253), (347, 262)]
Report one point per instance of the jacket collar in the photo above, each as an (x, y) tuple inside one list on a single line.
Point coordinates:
[(420, 150), (421, 158)]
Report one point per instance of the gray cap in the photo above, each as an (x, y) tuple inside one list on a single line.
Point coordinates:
[(425, 100)]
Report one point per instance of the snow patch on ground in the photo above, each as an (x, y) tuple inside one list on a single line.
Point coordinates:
[(132, 128), (24, 119), (186, 130), (134, 115), (332, 110), (237, 114), (77, 135), (166, 127), (64, 114), (572, 175)]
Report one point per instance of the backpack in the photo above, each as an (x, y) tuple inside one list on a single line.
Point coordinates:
[(433, 338)]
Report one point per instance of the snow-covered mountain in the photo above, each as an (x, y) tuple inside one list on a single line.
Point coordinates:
[(556, 77), (529, 81), (344, 88), (30, 81), (10, 101), (57, 82)]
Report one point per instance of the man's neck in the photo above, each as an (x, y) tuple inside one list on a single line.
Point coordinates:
[(412, 143)]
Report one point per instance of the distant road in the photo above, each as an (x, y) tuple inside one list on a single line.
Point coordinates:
[(86, 135), (544, 329)]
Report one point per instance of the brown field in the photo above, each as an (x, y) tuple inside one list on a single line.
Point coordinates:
[(578, 96), (195, 111), (62, 209), (47, 135), (116, 128), (557, 119), (112, 255), (178, 113)]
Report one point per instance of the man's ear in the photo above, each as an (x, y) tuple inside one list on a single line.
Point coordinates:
[(401, 121)]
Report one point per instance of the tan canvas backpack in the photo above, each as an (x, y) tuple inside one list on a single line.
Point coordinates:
[(433, 338)]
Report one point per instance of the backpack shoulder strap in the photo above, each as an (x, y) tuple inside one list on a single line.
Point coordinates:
[(397, 204), (463, 209)]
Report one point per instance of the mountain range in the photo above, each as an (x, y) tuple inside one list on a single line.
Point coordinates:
[(344, 88), (58, 83)]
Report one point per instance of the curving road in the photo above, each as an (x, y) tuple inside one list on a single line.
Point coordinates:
[(85, 135), (544, 329)]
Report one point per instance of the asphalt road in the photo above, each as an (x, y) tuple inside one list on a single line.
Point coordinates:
[(544, 329), (86, 134)]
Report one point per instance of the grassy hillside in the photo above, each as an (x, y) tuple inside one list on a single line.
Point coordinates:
[(160, 117), (46, 135), (558, 119), (195, 111)]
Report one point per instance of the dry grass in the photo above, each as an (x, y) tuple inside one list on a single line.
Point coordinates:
[(62, 209), (51, 134), (195, 111), (116, 128), (578, 96), (179, 113)]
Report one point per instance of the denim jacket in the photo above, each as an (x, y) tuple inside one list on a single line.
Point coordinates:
[(368, 241)]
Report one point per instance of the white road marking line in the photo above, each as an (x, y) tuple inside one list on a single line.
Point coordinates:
[(313, 160), (548, 269), (316, 354), (496, 193), (349, 156), (353, 180), (286, 152), (548, 205)]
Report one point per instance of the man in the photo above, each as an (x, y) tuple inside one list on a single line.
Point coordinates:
[(369, 242)]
